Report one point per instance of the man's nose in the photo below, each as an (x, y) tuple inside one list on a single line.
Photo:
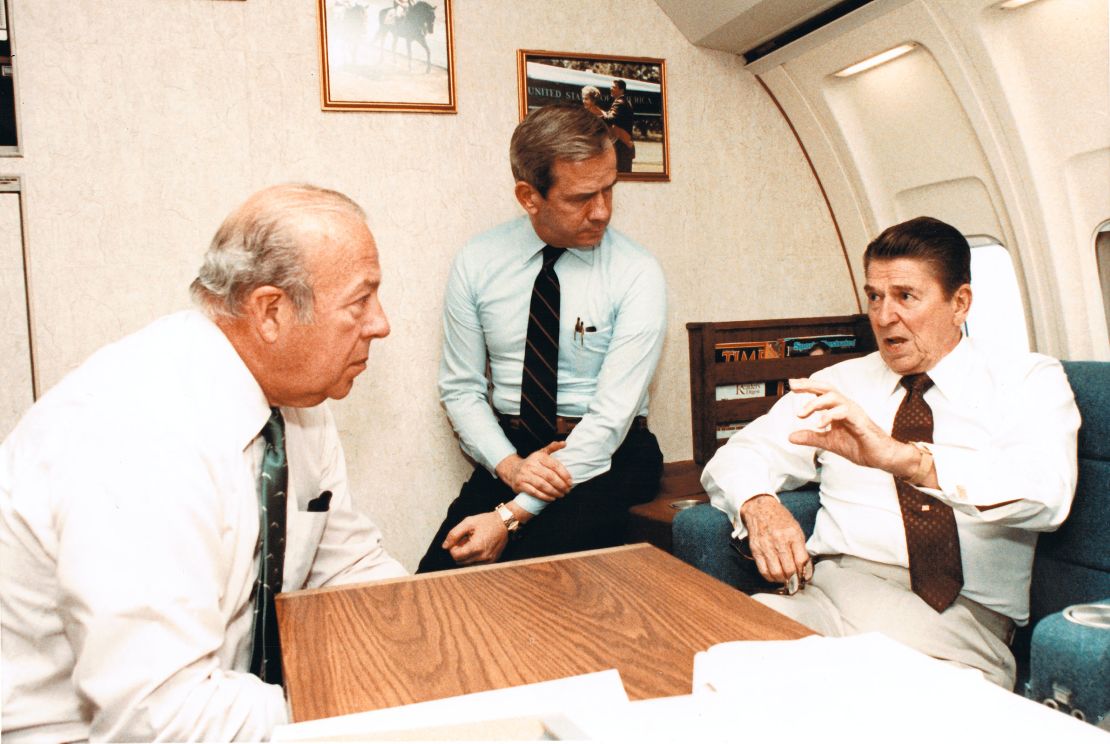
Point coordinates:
[(600, 208), (886, 313), (377, 324)]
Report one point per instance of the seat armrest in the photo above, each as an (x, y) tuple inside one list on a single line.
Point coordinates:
[(1069, 663)]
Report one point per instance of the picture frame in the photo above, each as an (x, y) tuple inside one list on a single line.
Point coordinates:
[(387, 55), (546, 77)]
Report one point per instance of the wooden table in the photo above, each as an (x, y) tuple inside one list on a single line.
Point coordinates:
[(633, 608)]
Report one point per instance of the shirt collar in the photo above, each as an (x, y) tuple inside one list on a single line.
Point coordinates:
[(238, 407), (949, 375), (534, 246)]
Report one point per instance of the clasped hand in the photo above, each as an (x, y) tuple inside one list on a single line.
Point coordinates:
[(481, 538), (539, 474)]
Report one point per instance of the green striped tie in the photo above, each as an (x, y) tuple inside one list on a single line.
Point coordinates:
[(272, 484)]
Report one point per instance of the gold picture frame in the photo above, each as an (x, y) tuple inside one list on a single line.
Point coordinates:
[(545, 77), (387, 55)]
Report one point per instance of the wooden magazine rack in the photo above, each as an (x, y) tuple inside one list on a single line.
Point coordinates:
[(727, 354)]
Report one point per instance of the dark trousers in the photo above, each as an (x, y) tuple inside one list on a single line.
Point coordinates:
[(625, 155), (593, 515)]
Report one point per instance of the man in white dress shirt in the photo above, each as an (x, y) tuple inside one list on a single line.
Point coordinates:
[(998, 458), (129, 496)]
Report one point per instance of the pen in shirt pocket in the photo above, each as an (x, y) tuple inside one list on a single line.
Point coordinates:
[(580, 331)]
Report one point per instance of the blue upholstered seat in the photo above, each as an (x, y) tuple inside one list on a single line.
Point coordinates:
[(1062, 661)]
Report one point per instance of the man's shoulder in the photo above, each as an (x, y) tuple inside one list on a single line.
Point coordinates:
[(515, 232), (623, 247), (1011, 366)]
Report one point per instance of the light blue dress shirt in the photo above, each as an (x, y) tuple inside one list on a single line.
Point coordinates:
[(615, 292)]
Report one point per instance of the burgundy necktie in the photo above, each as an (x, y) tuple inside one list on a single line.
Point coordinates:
[(936, 571), (538, 385)]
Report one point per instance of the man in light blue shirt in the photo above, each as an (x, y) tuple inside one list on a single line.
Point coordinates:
[(571, 493)]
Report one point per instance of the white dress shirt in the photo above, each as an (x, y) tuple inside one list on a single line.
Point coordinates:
[(1005, 429), (611, 324), (129, 527)]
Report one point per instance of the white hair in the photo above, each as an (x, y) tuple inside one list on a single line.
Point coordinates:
[(259, 244)]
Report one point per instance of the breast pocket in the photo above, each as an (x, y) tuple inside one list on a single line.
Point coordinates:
[(590, 348), (303, 531)]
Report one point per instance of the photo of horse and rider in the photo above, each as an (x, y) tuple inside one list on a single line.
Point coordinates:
[(387, 54)]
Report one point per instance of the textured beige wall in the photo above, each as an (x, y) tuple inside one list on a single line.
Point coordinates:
[(145, 121)]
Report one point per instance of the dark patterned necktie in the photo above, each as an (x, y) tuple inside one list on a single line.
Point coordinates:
[(538, 384), (272, 483), (936, 571)]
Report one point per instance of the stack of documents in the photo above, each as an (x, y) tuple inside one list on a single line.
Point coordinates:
[(864, 688), (512, 713)]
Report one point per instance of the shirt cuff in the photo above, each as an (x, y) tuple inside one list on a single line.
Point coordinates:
[(529, 503)]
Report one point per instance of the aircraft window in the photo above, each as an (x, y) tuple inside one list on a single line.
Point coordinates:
[(1102, 258), (997, 316)]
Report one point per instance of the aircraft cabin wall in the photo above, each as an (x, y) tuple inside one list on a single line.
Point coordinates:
[(997, 121), (144, 122)]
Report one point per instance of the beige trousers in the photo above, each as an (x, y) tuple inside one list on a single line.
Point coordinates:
[(849, 595)]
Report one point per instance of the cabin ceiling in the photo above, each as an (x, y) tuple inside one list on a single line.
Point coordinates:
[(739, 25)]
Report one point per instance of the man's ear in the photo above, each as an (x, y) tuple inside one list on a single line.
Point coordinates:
[(528, 197), (961, 304), (263, 308)]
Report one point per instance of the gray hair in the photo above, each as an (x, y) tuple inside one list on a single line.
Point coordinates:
[(261, 244), (590, 93), (556, 132)]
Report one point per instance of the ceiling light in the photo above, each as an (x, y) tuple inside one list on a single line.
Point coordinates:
[(877, 60)]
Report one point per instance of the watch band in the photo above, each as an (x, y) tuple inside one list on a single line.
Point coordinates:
[(923, 466), (512, 524)]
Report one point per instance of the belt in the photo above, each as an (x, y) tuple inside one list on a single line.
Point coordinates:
[(563, 424)]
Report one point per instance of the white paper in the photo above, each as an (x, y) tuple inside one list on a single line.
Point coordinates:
[(601, 690), (854, 690)]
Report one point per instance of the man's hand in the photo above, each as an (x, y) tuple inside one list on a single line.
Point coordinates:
[(843, 428), (477, 539), (777, 541), (539, 474)]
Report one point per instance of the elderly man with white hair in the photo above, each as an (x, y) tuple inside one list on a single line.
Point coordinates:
[(153, 502)]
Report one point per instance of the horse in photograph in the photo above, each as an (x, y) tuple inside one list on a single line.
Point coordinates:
[(416, 24)]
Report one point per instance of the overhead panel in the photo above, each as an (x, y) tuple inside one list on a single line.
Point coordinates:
[(741, 26)]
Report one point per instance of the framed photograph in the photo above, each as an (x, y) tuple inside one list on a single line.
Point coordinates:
[(630, 93), (387, 55)]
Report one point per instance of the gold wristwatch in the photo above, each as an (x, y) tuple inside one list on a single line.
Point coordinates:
[(512, 524)]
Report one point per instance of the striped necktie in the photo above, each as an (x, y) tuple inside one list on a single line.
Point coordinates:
[(538, 385), (272, 483), (933, 543)]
